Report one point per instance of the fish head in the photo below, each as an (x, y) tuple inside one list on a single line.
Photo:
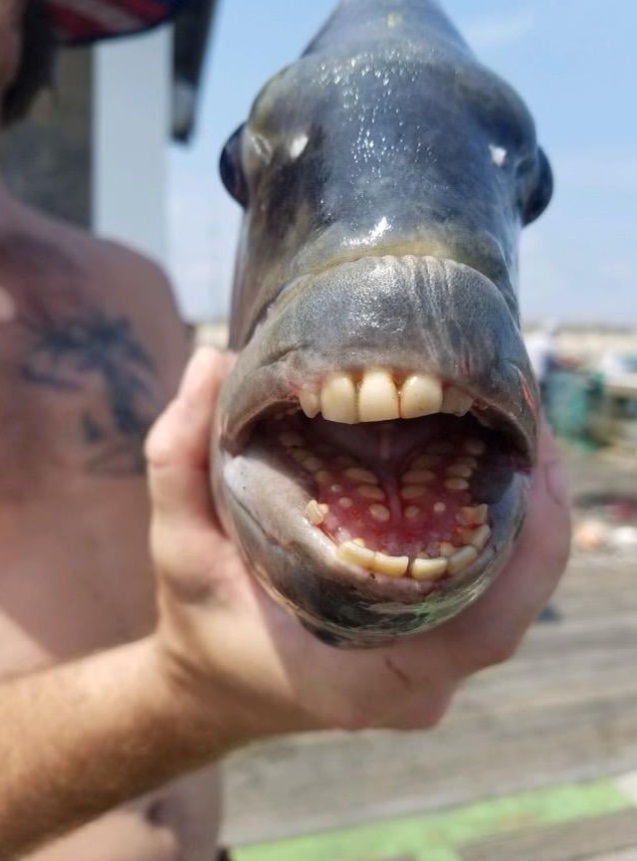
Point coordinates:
[(377, 435)]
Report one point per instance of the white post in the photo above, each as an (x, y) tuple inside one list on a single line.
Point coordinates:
[(131, 127)]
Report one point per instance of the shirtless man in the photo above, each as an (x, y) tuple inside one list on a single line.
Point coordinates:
[(91, 349)]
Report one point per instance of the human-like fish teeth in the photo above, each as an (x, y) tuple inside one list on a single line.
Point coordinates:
[(392, 566), (462, 559), (315, 512), (456, 402), (364, 476), (378, 396), (310, 402), (422, 568), (373, 560), (456, 484), (459, 470), (473, 515), (428, 569), (477, 538), (412, 491), (338, 399), (420, 395), (354, 554), (372, 491)]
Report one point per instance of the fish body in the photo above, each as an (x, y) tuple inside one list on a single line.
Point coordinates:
[(376, 437)]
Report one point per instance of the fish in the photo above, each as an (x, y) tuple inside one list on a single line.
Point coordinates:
[(376, 438)]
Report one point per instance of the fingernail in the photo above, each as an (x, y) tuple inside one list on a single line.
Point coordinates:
[(557, 481)]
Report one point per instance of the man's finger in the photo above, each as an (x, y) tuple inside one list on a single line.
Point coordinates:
[(178, 446), (491, 630)]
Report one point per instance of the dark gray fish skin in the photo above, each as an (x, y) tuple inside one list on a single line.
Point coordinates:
[(385, 176)]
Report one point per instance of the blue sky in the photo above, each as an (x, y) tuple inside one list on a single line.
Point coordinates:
[(575, 64)]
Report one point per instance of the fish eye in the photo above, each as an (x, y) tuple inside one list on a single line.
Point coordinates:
[(231, 170), (541, 191)]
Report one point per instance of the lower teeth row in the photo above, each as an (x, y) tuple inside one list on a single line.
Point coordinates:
[(452, 560), (420, 568)]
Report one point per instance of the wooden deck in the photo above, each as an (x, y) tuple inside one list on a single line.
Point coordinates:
[(593, 839), (564, 710)]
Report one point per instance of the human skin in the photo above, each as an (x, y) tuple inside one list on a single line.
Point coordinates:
[(91, 349), (225, 665)]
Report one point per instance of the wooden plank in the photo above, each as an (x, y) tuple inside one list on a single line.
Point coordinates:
[(629, 855), (565, 709), (581, 840)]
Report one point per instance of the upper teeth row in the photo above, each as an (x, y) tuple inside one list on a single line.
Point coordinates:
[(377, 397)]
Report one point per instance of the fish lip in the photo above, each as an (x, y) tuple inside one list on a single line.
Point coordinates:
[(491, 266), (287, 351)]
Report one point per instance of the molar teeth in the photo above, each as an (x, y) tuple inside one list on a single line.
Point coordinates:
[(456, 484), (456, 402), (459, 470), (380, 512), (338, 399), (413, 491), (428, 569), (474, 446), (470, 515), (462, 559), (420, 395), (377, 397), (363, 475), (310, 403), (446, 549), (371, 491), (418, 476)]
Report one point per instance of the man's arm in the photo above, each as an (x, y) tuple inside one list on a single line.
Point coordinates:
[(81, 738), (226, 665)]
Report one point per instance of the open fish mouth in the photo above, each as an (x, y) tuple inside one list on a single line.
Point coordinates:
[(379, 491), (400, 475)]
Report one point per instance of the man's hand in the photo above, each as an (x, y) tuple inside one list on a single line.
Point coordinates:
[(227, 646)]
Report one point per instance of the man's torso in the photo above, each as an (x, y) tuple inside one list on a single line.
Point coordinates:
[(90, 350)]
